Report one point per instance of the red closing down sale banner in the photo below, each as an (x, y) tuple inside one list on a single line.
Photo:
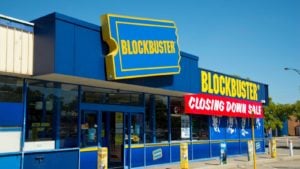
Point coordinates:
[(222, 106)]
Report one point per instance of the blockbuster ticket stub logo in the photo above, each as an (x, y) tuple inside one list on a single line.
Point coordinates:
[(140, 47)]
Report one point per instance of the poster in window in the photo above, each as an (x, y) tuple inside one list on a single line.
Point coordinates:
[(185, 126)]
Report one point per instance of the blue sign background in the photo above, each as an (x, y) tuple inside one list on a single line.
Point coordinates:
[(117, 28)]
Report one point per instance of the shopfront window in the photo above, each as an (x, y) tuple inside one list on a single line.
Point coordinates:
[(89, 128), (52, 113), (111, 96), (137, 129), (180, 123), (156, 118), (10, 89), (200, 127), (68, 116)]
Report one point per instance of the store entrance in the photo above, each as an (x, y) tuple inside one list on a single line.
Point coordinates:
[(114, 124), (89, 128), (112, 137), (105, 129)]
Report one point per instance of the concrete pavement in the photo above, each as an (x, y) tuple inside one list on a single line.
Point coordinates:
[(264, 161)]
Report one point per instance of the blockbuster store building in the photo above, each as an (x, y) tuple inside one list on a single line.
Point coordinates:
[(68, 87)]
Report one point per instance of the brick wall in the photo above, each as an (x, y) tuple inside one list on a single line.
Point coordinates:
[(292, 124)]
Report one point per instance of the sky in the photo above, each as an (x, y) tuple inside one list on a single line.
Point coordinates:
[(253, 39)]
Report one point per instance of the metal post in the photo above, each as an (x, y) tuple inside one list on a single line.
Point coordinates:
[(253, 140), (223, 153), (250, 150), (291, 148), (25, 92), (269, 147)]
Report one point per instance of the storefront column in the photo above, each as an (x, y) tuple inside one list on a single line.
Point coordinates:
[(79, 116), (25, 91), (99, 128), (169, 122), (209, 127), (240, 142), (144, 138), (153, 118), (191, 136), (169, 129), (129, 138), (56, 113)]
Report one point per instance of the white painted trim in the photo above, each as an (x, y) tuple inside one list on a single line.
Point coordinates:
[(16, 20)]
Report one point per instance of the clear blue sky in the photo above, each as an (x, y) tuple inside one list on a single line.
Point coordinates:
[(253, 39)]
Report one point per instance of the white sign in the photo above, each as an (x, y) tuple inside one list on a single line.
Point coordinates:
[(10, 141), (39, 145), (185, 126), (157, 154)]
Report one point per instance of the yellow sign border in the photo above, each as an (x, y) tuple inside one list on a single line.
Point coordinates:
[(114, 48)]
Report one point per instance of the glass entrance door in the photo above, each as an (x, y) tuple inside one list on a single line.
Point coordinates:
[(112, 137), (89, 128)]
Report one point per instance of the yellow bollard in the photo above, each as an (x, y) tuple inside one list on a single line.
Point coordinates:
[(184, 156), (102, 158), (273, 148)]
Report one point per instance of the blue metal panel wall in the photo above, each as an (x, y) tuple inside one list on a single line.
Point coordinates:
[(68, 46), (81, 48), (88, 160), (44, 30), (244, 147), (64, 47), (215, 149), (201, 151), (73, 47), (175, 153), (263, 93), (233, 148), (89, 60), (190, 151), (127, 159), (10, 161), (11, 114), (137, 157), (55, 159)]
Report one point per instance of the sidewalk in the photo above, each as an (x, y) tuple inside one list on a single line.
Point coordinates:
[(237, 161)]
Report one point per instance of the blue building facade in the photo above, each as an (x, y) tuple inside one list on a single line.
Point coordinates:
[(61, 113)]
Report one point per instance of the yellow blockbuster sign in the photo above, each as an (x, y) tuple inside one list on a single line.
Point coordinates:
[(220, 84), (140, 47)]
